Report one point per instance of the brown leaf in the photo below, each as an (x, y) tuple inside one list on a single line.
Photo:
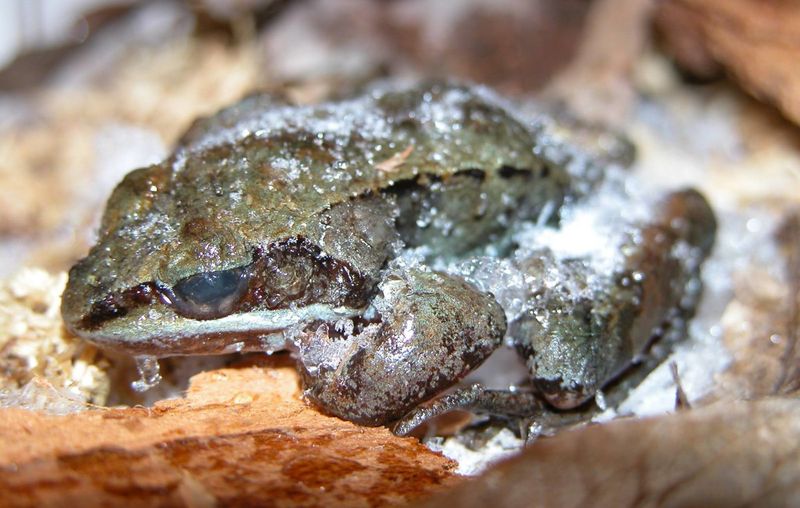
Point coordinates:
[(727, 454)]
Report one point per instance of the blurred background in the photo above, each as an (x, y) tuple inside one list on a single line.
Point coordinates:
[(36, 24), (707, 90)]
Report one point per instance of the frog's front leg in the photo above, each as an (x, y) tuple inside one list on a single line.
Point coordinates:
[(430, 330)]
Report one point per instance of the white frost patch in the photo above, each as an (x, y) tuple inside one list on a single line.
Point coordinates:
[(335, 122), (510, 286), (337, 125), (592, 231), (473, 462), (595, 229)]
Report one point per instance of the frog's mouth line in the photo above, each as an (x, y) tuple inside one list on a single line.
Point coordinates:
[(255, 331), (293, 273)]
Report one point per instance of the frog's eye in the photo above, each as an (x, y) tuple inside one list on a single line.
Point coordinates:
[(210, 295)]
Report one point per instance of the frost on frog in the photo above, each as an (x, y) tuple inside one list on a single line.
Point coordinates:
[(366, 235)]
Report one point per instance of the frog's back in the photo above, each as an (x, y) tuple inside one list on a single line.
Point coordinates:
[(260, 171)]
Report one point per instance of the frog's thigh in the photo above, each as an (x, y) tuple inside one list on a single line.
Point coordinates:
[(582, 344), (432, 330)]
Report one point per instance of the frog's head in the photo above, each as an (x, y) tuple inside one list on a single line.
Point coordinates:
[(288, 282), (181, 268)]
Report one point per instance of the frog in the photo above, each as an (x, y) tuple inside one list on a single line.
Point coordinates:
[(274, 226)]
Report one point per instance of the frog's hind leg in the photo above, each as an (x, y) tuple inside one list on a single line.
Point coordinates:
[(579, 336), (576, 341), (526, 409), (429, 331)]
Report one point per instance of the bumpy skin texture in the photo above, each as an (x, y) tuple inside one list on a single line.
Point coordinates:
[(258, 175), (654, 291), (276, 227), (438, 328)]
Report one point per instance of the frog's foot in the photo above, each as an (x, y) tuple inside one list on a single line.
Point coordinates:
[(528, 410), (431, 329), (476, 399)]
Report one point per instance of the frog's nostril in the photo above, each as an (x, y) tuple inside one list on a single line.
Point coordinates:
[(209, 295)]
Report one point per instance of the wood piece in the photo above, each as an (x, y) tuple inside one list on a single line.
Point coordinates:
[(240, 437), (756, 42), (596, 85)]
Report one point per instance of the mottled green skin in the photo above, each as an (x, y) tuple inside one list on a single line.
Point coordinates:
[(240, 200), (582, 343), (437, 328), (219, 197)]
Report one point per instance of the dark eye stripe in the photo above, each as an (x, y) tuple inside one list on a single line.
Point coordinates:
[(292, 272), (210, 295)]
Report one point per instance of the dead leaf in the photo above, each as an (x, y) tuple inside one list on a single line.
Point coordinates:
[(727, 454), (395, 161)]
